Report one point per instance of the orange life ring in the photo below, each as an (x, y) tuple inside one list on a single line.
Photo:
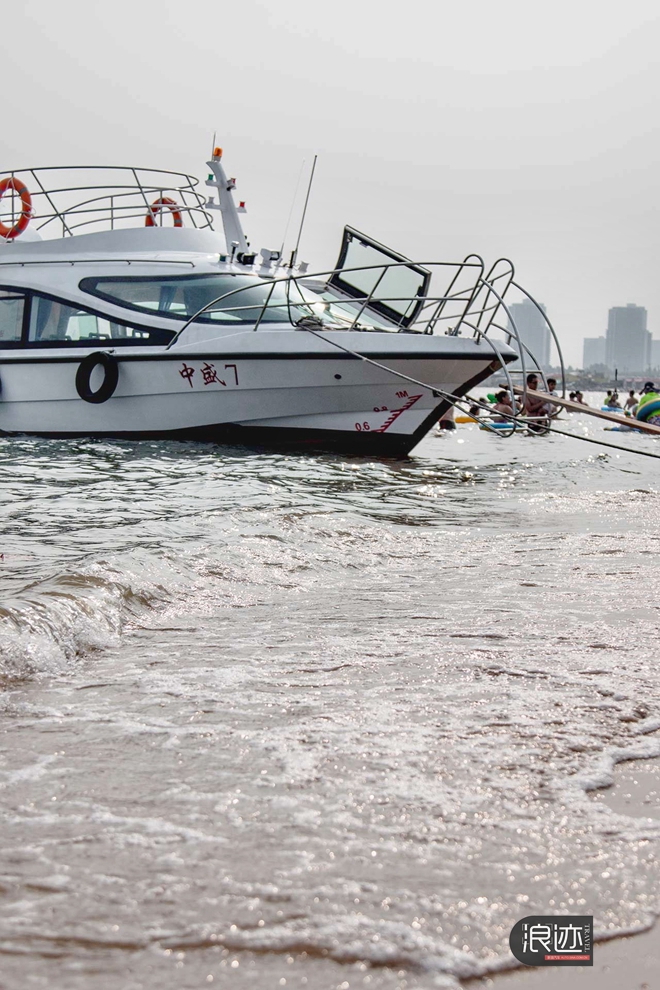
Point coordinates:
[(157, 206), (11, 182)]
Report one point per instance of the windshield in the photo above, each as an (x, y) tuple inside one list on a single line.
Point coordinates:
[(396, 287), (180, 297), (244, 299)]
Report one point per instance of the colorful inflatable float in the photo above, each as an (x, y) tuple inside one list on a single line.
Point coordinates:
[(648, 407)]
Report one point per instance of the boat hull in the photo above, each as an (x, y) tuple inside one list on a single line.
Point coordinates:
[(315, 400)]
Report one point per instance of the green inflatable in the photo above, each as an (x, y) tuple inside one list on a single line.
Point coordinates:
[(648, 406)]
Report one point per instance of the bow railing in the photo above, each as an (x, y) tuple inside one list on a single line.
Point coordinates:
[(471, 302)]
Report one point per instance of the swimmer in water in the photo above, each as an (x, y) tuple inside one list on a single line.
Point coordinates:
[(534, 406), (503, 407)]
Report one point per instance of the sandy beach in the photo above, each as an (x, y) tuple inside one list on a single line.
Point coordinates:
[(622, 964), (631, 963)]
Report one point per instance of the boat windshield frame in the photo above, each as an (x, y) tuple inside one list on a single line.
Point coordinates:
[(306, 302), (291, 309)]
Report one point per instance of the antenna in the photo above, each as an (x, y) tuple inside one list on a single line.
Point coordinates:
[(293, 203), (294, 254), (213, 145)]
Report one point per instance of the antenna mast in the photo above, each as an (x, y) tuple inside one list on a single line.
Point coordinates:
[(294, 253), (293, 203)]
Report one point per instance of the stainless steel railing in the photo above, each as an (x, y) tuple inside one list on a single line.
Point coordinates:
[(112, 196), (473, 305)]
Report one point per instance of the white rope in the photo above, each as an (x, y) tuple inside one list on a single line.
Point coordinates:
[(455, 399)]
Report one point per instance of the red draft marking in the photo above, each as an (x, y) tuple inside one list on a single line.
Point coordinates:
[(210, 375), (235, 370), (187, 373), (394, 415)]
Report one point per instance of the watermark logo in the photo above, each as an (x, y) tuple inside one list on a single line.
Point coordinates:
[(554, 940)]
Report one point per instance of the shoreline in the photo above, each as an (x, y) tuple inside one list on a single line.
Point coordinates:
[(623, 962)]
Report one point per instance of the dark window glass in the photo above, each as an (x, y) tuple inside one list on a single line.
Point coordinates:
[(11, 316), (180, 298), (53, 322)]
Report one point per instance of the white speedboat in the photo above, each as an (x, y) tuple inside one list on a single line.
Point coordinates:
[(124, 313)]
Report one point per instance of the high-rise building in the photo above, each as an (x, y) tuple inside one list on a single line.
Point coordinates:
[(594, 353), (628, 347), (533, 330), (655, 355)]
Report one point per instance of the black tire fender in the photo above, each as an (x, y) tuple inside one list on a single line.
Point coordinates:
[(84, 375)]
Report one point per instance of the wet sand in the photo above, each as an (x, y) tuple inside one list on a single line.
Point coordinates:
[(622, 964), (263, 727), (631, 963)]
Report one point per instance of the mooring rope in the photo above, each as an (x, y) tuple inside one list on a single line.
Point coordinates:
[(456, 399)]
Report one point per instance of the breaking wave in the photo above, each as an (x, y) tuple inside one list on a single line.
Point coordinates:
[(54, 620)]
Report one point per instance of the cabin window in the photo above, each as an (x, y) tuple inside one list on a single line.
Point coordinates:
[(240, 298), (54, 322), (12, 306)]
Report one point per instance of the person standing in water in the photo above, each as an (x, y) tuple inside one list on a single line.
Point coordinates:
[(631, 402), (535, 407), (552, 389)]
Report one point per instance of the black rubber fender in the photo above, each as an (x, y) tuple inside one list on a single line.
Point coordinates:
[(84, 374)]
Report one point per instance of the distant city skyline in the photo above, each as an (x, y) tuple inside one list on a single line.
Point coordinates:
[(627, 347)]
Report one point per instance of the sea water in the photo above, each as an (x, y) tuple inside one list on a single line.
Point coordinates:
[(281, 720)]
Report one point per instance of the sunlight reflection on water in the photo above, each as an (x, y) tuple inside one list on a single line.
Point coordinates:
[(326, 718)]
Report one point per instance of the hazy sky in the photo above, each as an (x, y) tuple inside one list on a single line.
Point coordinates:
[(512, 128)]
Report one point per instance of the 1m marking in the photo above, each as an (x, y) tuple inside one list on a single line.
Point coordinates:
[(394, 415)]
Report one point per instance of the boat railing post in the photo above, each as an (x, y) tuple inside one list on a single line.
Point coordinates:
[(303, 301), (491, 343), (515, 334), (466, 263), (189, 190), (369, 297), (473, 294), (552, 331), (491, 278), (265, 306), (144, 197), (56, 211)]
